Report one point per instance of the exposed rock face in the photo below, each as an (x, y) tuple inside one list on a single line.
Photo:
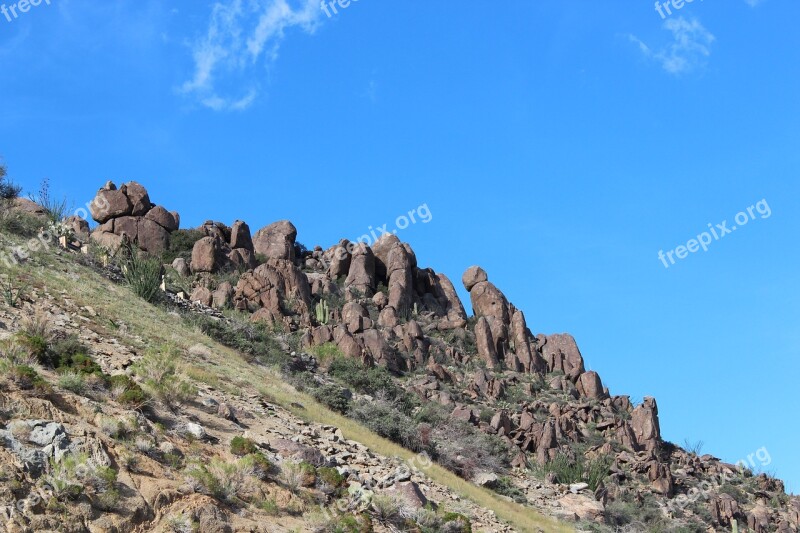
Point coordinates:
[(276, 241), (79, 226), (486, 347), (561, 353), (277, 292), (361, 276), (128, 212), (208, 255), (398, 270), (644, 422)]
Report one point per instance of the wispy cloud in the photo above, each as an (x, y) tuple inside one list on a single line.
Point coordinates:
[(242, 36), (689, 49)]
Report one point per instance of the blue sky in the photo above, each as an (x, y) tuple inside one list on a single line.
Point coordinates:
[(560, 145)]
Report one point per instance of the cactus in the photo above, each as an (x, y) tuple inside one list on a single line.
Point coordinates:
[(735, 526), (323, 312)]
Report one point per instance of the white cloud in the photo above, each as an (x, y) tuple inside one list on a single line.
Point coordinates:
[(242, 35), (689, 49)]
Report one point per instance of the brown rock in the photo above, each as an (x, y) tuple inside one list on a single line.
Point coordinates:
[(108, 204), (240, 236), (645, 426), (163, 218), (562, 354), (152, 237), (208, 255), (473, 276), (590, 386), (276, 241), (361, 276), (138, 198), (486, 347)]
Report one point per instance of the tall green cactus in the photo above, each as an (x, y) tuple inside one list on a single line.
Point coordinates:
[(323, 312), (735, 526)]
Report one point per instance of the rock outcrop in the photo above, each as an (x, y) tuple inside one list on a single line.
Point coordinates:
[(127, 213)]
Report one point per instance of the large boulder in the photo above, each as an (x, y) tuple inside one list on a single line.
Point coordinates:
[(208, 255), (163, 218), (645, 426), (110, 203), (473, 276), (561, 353), (276, 241), (240, 236), (361, 276)]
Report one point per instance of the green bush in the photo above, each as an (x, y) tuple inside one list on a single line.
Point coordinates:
[(331, 477), (374, 381), (332, 396), (8, 190), (505, 487), (181, 244), (386, 420), (142, 274), (159, 369), (73, 382), (241, 446), (127, 391), (568, 470), (251, 340)]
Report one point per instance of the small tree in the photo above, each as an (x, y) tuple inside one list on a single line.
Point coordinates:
[(8, 190)]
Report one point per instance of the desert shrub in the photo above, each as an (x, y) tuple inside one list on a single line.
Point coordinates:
[(159, 369), (387, 508), (465, 450), (181, 244), (8, 190), (330, 477), (142, 274), (269, 506), (127, 392), (252, 340), (627, 511), (333, 397), (18, 222), (385, 419), (36, 335), (347, 524), (242, 446), (218, 479), (373, 381), (73, 382), (12, 290), (55, 209), (456, 523), (505, 487), (26, 378), (580, 469), (326, 352), (257, 465)]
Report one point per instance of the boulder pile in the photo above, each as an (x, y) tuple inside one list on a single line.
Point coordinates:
[(127, 214)]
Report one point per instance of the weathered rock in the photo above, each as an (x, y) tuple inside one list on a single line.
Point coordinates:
[(240, 236), (270, 288), (208, 255), (163, 218), (110, 203), (79, 227), (473, 276), (645, 426), (590, 386), (276, 241), (138, 197), (486, 346), (361, 277), (561, 353), (398, 270), (181, 267)]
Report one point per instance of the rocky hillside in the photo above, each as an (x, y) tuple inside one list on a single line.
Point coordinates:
[(359, 336)]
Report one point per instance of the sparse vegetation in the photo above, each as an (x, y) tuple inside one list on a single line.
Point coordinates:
[(8, 190), (143, 274), (568, 470), (159, 370), (55, 209)]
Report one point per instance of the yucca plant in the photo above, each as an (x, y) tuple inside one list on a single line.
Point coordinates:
[(143, 274)]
